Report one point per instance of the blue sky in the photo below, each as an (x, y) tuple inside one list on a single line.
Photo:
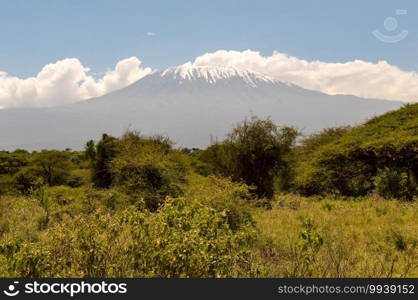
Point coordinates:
[(100, 33)]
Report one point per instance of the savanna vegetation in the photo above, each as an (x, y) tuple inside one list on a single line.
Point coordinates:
[(263, 202)]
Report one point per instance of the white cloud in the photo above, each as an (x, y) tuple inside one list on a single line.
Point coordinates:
[(364, 79), (66, 81), (151, 33)]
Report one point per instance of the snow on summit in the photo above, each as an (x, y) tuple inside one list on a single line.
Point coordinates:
[(190, 103), (212, 74)]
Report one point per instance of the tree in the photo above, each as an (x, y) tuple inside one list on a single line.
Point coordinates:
[(25, 180), (255, 152), (148, 168), (90, 150), (106, 150), (52, 166), (307, 180), (11, 163)]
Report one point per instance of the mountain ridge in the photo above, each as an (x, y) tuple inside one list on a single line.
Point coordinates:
[(188, 103)]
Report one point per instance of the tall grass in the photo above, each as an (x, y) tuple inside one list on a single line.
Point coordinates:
[(210, 231), (320, 237)]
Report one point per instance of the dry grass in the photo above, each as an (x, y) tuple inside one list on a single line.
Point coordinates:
[(341, 238), (298, 237)]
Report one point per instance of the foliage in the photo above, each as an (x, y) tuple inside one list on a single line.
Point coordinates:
[(101, 156), (11, 163), (26, 179), (52, 166), (136, 206), (310, 242), (189, 236), (337, 237), (348, 163), (254, 152), (308, 178), (393, 183), (195, 235), (148, 168), (20, 170)]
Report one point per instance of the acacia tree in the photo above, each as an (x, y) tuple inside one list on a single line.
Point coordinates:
[(53, 166), (11, 163), (255, 152), (50, 166)]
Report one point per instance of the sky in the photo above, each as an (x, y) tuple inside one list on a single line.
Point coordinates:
[(91, 38)]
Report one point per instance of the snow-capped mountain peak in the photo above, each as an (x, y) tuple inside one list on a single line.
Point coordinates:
[(212, 74), (189, 103)]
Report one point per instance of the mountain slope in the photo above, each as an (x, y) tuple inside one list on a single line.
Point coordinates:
[(188, 103), (348, 163), (394, 132)]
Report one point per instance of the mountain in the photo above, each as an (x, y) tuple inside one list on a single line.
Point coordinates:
[(190, 104)]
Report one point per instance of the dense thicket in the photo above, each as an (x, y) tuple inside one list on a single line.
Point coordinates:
[(21, 171), (360, 160)]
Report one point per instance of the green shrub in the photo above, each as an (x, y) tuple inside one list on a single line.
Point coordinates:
[(26, 179), (52, 166), (65, 200), (149, 168), (11, 163), (256, 152), (223, 194), (79, 177), (184, 239), (7, 184), (346, 162), (21, 259), (393, 183), (188, 239)]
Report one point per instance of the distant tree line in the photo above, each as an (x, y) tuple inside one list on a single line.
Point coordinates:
[(377, 157)]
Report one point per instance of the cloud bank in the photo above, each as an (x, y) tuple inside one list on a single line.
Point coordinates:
[(66, 81), (364, 79)]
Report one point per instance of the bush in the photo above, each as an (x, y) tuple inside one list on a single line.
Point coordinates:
[(184, 239), (256, 153), (313, 177), (393, 183), (149, 168), (21, 259), (78, 178), (26, 179), (188, 239), (7, 185), (52, 166), (69, 201), (11, 163), (345, 162)]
